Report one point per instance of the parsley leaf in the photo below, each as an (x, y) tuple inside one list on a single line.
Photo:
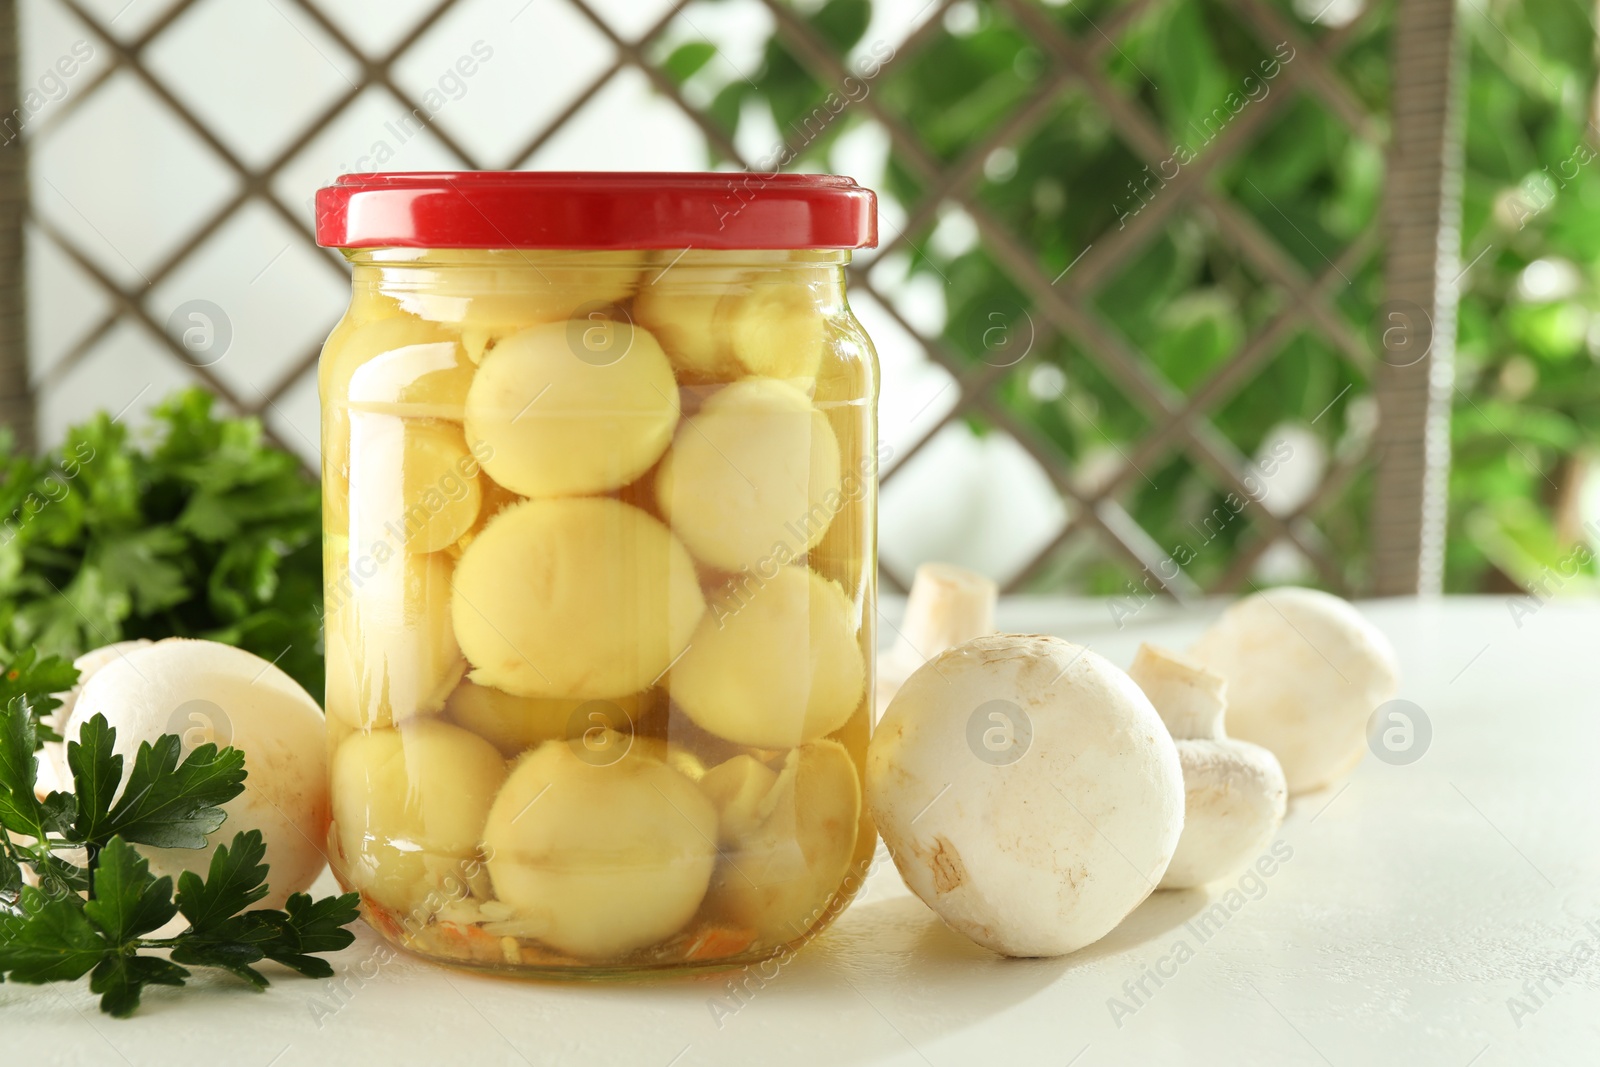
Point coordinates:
[(19, 808), (175, 805), (51, 933), (128, 900), (314, 926), (97, 918), (166, 803), (50, 941), (10, 877), (120, 979), (39, 679), (96, 774), (237, 879), (219, 936)]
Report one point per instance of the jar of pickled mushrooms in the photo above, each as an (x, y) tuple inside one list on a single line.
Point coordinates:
[(599, 468)]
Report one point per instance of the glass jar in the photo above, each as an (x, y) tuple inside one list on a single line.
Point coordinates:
[(599, 475)]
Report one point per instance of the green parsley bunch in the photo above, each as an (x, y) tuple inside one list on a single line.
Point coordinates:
[(96, 903), (203, 530)]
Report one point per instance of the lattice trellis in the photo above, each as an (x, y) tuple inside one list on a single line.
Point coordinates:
[(1066, 304)]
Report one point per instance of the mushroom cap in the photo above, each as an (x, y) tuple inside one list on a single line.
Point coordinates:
[(606, 401), (599, 858), (508, 288), (1305, 671), (410, 805), (754, 468), (391, 644), (204, 691), (774, 664), (788, 854), (1234, 800), (1037, 853), (53, 771), (89, 664), (586, 597)]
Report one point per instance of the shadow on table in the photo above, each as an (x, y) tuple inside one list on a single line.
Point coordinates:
[(889, 974), (927, 981)]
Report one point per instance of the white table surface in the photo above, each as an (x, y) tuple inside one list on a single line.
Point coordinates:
[(1418, 900)]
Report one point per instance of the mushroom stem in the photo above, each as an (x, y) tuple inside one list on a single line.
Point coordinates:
[(1190, 699), (1234, 792), (948, 606)]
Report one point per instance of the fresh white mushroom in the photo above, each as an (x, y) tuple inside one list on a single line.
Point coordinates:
[(947, 605), (53, 771), (1234, 793), (1305, 672), (209, 692), (1027, 791)]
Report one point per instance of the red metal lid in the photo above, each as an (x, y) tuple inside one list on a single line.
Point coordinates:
[(595, 210)]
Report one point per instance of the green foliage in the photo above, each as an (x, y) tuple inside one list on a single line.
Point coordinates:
[(208, 531), (39, 679), (51, 933), (1527, 410), (1529, 397)]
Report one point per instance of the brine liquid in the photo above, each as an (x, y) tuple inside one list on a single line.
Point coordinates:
[(600, 606)]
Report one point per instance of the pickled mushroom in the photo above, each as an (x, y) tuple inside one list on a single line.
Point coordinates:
[(515, 724), (521, 288), (776, 330), (774, 663), (367, 304), (778, 876), (392, 650), (427, 379), (719, 324), (496, 499), (418, 484), (737, 788), (682, 319), (753, 477), (398, 362), (571, 407), (585, 598), (599, 859), (409, 805)]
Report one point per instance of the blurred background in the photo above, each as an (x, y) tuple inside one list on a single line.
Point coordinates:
[(1173, 296)]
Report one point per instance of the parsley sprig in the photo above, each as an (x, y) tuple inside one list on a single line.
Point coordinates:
[(96, 902)]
